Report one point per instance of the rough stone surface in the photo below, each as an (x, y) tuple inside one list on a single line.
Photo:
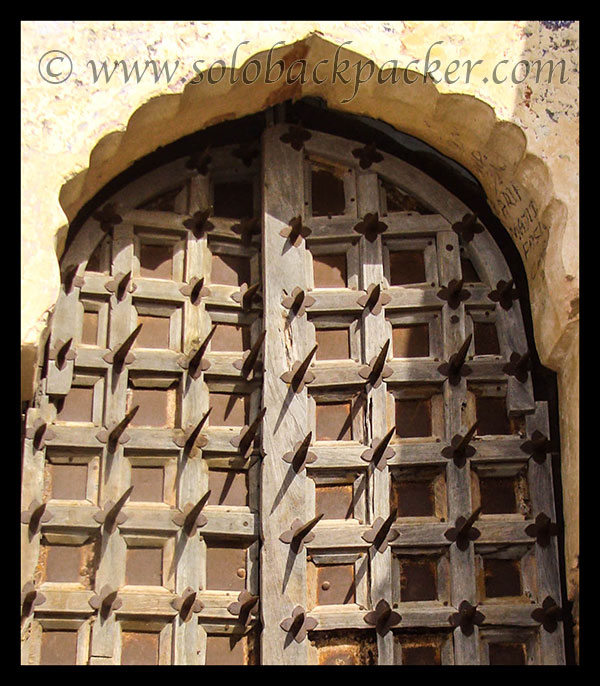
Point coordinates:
[(519, 137)]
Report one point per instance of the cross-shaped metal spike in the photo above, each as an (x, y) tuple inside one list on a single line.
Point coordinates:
[(377, 370), (30, 598), (116, 434), (244, 607), (459, 449), (195, 363), (518, 366), (106, 602), (463, 531), (300, 533), (300, 456), (297, 301), (71, 280), (538, 446), (379, 454), (120, 284), (548, 615), (187, 604), (370, 226), (62, 353), (249, 358), (198, 223), (39, 432), (296, 136), (108, 217), (299, 375), (112, 514), (299, 624), (467, 227), (35, 516), (504, 294), (466, 618), (374, 299), (121, 355), (542, 530), (454, 293), (243, 441), (380, 534), (245, 295), (367, 155), (295, 231), (247, 228), (192, 517), (190, 440), (456, 368), (383, 618), (195, 290)]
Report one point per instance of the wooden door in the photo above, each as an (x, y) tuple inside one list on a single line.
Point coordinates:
[(326, 417)]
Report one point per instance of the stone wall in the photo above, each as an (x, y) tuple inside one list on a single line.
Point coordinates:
[(485, 102)]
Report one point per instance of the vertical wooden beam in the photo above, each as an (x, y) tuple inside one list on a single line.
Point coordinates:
[(283, 494)]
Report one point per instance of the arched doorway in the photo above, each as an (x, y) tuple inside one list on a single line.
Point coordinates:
[(327, 418)]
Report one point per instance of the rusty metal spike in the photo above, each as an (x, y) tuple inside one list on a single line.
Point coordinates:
[(370, 226), (300, 456), (456, 367), (454, 293), (195, 364), (299, 375), (63, 354), (367, 155), (192, 519), (459, 448), (383, 618), (245, 295), (111, 515), (380, 533), (39, 433), (300, 533), (35, 516), (504, 294), (537, 446), (187, 442), (112, 437), (542, 530), (380, 454), (243, 441), (296, 136), (467, 616), (246, 364), (30, 598), (244, 606), (196, 292), (377, 370), (121, 355), (518, 366), (298, 301), (463, 531), (198, 223), (71, 279), (120, 284)]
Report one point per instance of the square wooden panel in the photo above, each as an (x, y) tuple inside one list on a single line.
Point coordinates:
[(426, 649), (413, 417), (348, 647), (144, 566), (418, 578), (418, 492), (77, 405), (66, 481), (155, 332), (334, 421), (330, 271), (230, 270), (493, 419), (158, 407), (502, 577), (410, 340), (406, 267), (334, 344), (233, 199), (148, 484), (230, 338), (327, 193), (58, 647), (231, 649), (335, 584), (334, 501), (69, 563), (228, 487), (156, 261), (225, 566), (140, 647), (505, 653), (228, 409), (90, 327), (485, 336)]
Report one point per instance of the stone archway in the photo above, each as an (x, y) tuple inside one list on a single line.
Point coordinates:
[(518, 185)]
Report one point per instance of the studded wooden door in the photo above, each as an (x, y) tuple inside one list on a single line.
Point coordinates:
[(321, 446)]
